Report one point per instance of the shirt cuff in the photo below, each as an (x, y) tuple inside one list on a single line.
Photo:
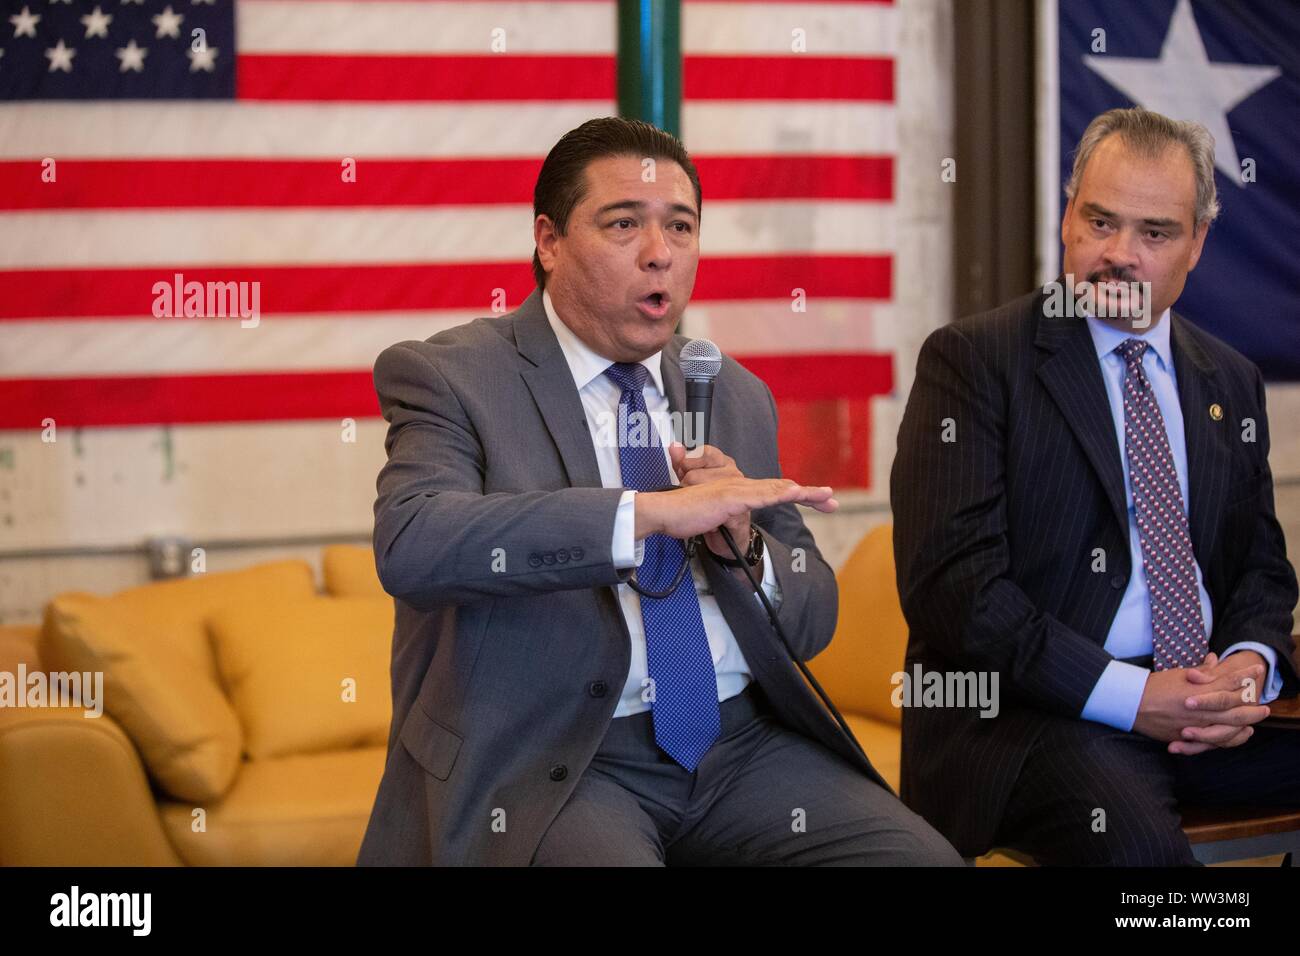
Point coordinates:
[(1272, 680), (626, 551), (1115, 698), (770, 587)]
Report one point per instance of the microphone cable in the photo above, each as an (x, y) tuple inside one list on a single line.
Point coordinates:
[(780, 633)]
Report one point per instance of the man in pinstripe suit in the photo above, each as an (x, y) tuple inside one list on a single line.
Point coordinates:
[(1083, 505)]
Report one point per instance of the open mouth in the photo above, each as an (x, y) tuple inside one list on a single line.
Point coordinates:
[(654, 304)]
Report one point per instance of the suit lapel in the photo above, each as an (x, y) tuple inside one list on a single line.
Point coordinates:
[(550, 381), (1072, 375), (1206, 440)]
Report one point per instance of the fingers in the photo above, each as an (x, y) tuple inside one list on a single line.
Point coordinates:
[(816, 495), (1203, 673), (702, 456), (1236, 681), (1217, 700), (1241, 715), (676, 455), (1219, 735), (774, 491), (1187, 749), (1229, 738)]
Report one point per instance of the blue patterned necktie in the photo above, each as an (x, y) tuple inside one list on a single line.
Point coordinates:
[(678, 658), (1177, 627)]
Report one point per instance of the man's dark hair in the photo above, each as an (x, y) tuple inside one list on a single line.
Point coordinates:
[(563, 182)]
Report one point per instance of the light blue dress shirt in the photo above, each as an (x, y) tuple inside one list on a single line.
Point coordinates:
[(1118, 693)]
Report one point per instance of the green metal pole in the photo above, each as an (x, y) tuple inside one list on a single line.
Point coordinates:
[(650, 62)]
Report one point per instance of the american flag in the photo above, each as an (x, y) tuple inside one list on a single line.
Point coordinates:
[(370, 165)]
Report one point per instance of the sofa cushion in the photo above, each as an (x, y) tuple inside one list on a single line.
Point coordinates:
[(303, 810), (160, 679), (349, 571), (307, 675), (870, 641)]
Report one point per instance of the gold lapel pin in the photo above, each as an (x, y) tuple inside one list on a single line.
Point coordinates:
[(1216, 412)]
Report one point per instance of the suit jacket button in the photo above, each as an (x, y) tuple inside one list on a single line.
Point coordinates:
[(576, 554), (597, 688), (559, 772), (1117, 581), (534, 560), (562, 555), (548, 557)]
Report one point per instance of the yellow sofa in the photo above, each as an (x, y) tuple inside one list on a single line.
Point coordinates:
[(245, 721)]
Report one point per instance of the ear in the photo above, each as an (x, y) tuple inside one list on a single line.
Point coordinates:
[(545, 238)]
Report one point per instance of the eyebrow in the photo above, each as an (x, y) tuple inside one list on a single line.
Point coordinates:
[(640, 206), (1092, 207)]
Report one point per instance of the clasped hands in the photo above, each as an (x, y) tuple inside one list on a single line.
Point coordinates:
[(1195, 709)]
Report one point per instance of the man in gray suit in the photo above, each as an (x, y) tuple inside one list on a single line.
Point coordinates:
[(544, 712)]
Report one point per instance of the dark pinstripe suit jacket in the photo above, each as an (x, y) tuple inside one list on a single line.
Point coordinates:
[(995, 535)]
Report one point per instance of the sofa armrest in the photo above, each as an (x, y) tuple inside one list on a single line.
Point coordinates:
[(73, 792)]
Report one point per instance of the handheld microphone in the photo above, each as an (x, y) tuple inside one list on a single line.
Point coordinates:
[(700, 363)]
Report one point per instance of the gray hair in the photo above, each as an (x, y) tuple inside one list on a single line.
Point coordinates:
[(1149, 134)]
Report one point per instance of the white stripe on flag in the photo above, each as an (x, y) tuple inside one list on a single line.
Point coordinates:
[(225, 129), (89, 347), (66, 349), (34, 240), (789, 127), (838, 29), (767, 327), (291, 26)]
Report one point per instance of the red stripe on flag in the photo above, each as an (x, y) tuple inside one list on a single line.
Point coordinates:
[(823, 376), (776, 277), (743, 77), (180, 399), (254, 397), (128, 293), (406, 78), (826, 442), (824, 405), (236, 183), (796, 177), (226, 183)]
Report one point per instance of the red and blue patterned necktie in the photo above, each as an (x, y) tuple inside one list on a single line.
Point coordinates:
[(1177, 627), (678, 658)]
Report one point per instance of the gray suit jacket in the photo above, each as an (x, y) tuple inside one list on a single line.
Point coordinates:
[(504, 681)]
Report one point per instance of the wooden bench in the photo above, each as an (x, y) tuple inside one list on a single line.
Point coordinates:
[(1224, 834)]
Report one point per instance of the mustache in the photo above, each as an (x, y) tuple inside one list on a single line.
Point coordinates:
[(1118, 275)]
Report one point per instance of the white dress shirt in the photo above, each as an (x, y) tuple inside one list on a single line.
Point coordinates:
[(600, 398)]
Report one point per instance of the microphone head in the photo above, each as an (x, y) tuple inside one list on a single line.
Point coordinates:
[(700, 360)]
